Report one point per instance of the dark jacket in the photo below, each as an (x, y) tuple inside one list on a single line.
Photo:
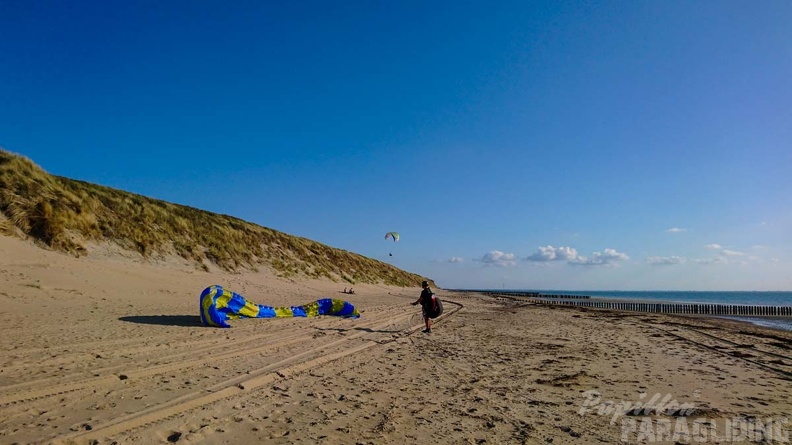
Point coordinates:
[(426, 300)]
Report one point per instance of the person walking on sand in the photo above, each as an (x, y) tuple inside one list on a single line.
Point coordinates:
[(428, 304)]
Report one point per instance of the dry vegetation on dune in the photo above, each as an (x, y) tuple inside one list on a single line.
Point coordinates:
[(64, 213)]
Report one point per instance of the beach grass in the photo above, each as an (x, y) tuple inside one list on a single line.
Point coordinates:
[(64, 214)]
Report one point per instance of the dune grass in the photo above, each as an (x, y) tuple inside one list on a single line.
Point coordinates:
[(64, 214)]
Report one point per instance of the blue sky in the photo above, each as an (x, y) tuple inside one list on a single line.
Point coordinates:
[(543, 145)]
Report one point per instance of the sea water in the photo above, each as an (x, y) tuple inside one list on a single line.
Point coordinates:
[(755, 298)]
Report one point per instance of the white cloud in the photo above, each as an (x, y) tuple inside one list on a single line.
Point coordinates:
[(545, 254), (550, 253), (456, 259), (723, 251), (716, 260), (498, 258), (607, 257), (676, 230), (665, 260)]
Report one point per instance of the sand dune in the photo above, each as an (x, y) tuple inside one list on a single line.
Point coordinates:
[(109, 349)]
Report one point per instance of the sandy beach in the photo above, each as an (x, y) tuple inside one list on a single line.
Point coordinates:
[(109, 348)]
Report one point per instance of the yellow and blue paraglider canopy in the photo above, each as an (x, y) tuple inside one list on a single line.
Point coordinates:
[(219, 305)]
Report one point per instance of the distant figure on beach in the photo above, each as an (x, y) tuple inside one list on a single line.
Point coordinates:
[(345, 291), (429, 306), (351, 291)]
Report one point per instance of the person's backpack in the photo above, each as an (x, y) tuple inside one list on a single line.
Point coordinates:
[(438, 308)]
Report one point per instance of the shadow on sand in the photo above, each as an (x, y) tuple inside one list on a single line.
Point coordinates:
[(165, 320)]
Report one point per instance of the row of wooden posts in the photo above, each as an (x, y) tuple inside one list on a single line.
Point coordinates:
[(679, 308), (668, 308)]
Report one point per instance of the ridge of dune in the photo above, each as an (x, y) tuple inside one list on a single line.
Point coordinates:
[(82, 219)]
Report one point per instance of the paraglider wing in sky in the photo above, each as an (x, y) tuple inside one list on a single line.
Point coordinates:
[(394, 235), (219, 305)]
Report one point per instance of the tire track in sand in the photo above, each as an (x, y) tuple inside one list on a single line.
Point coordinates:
[(244, 384), (109, 381)]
